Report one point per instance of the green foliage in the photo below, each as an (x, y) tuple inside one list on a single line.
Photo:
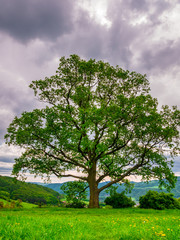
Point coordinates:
[(4, 195), (76, 204), (112, 190), (127, 187), (108, 207), (100, 120), (75, 193), (19, 203), (1, 204), (119, 200), (159, 201), (27, 192)]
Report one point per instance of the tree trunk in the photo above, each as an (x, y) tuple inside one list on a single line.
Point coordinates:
[(94, 198), (93, 187)]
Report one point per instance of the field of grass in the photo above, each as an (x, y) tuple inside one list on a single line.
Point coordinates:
[(86, 224)]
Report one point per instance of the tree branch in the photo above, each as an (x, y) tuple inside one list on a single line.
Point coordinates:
[(74, 176), (120, 178), (79, 148), (71, 160)]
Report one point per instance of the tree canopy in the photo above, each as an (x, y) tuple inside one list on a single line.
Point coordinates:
[(100, 121)]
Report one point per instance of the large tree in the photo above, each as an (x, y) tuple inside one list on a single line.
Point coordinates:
[(100, 121)]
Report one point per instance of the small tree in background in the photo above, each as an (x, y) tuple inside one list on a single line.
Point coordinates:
[(99, 120), (113, 188), (155, 200), (75, 193)]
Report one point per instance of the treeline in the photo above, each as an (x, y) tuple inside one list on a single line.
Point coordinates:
[(27, 192)]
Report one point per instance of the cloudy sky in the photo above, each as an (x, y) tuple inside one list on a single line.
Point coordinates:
[(139, 35)]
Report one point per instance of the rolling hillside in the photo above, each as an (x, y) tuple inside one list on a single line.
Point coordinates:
[(140, 188), (28, 192)]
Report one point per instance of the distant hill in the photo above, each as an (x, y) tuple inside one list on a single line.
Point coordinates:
[(28, 192), (140, 188), (50, 193)]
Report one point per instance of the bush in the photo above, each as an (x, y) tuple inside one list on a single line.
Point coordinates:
[(19, 203), (12, 204), (119, 200), (108, 207), (77, 204), (1, 205), (155, 200)]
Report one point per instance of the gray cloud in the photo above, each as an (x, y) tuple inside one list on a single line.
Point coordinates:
[(5, 170), (166, 56), (15, 97), (139, 5), (176, 168), (29, 19), (129, 36), (7, 159), (34, 34)]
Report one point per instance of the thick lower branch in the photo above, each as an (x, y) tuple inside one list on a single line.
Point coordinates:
[(74, 176), (121, 177)]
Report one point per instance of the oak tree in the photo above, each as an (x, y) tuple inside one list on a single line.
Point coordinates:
[(99, 122)]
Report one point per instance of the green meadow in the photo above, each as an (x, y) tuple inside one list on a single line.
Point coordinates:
[(62, 223)]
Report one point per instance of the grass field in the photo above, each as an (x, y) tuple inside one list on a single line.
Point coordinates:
[(84, 224)]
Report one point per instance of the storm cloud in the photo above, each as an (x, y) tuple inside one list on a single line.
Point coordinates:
[(26, 20)]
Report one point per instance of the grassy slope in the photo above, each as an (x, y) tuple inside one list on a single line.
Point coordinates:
[(24, 204), (27, 191), (89, 224)]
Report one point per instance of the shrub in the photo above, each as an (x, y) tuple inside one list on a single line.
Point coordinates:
[(1, 205), (155, 200), (119, 200), (77, 204), (107, 207), (19, 203), (12, 204)]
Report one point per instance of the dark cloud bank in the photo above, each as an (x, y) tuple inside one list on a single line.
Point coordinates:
[(71, 30), (64, 28), (30, 19)]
